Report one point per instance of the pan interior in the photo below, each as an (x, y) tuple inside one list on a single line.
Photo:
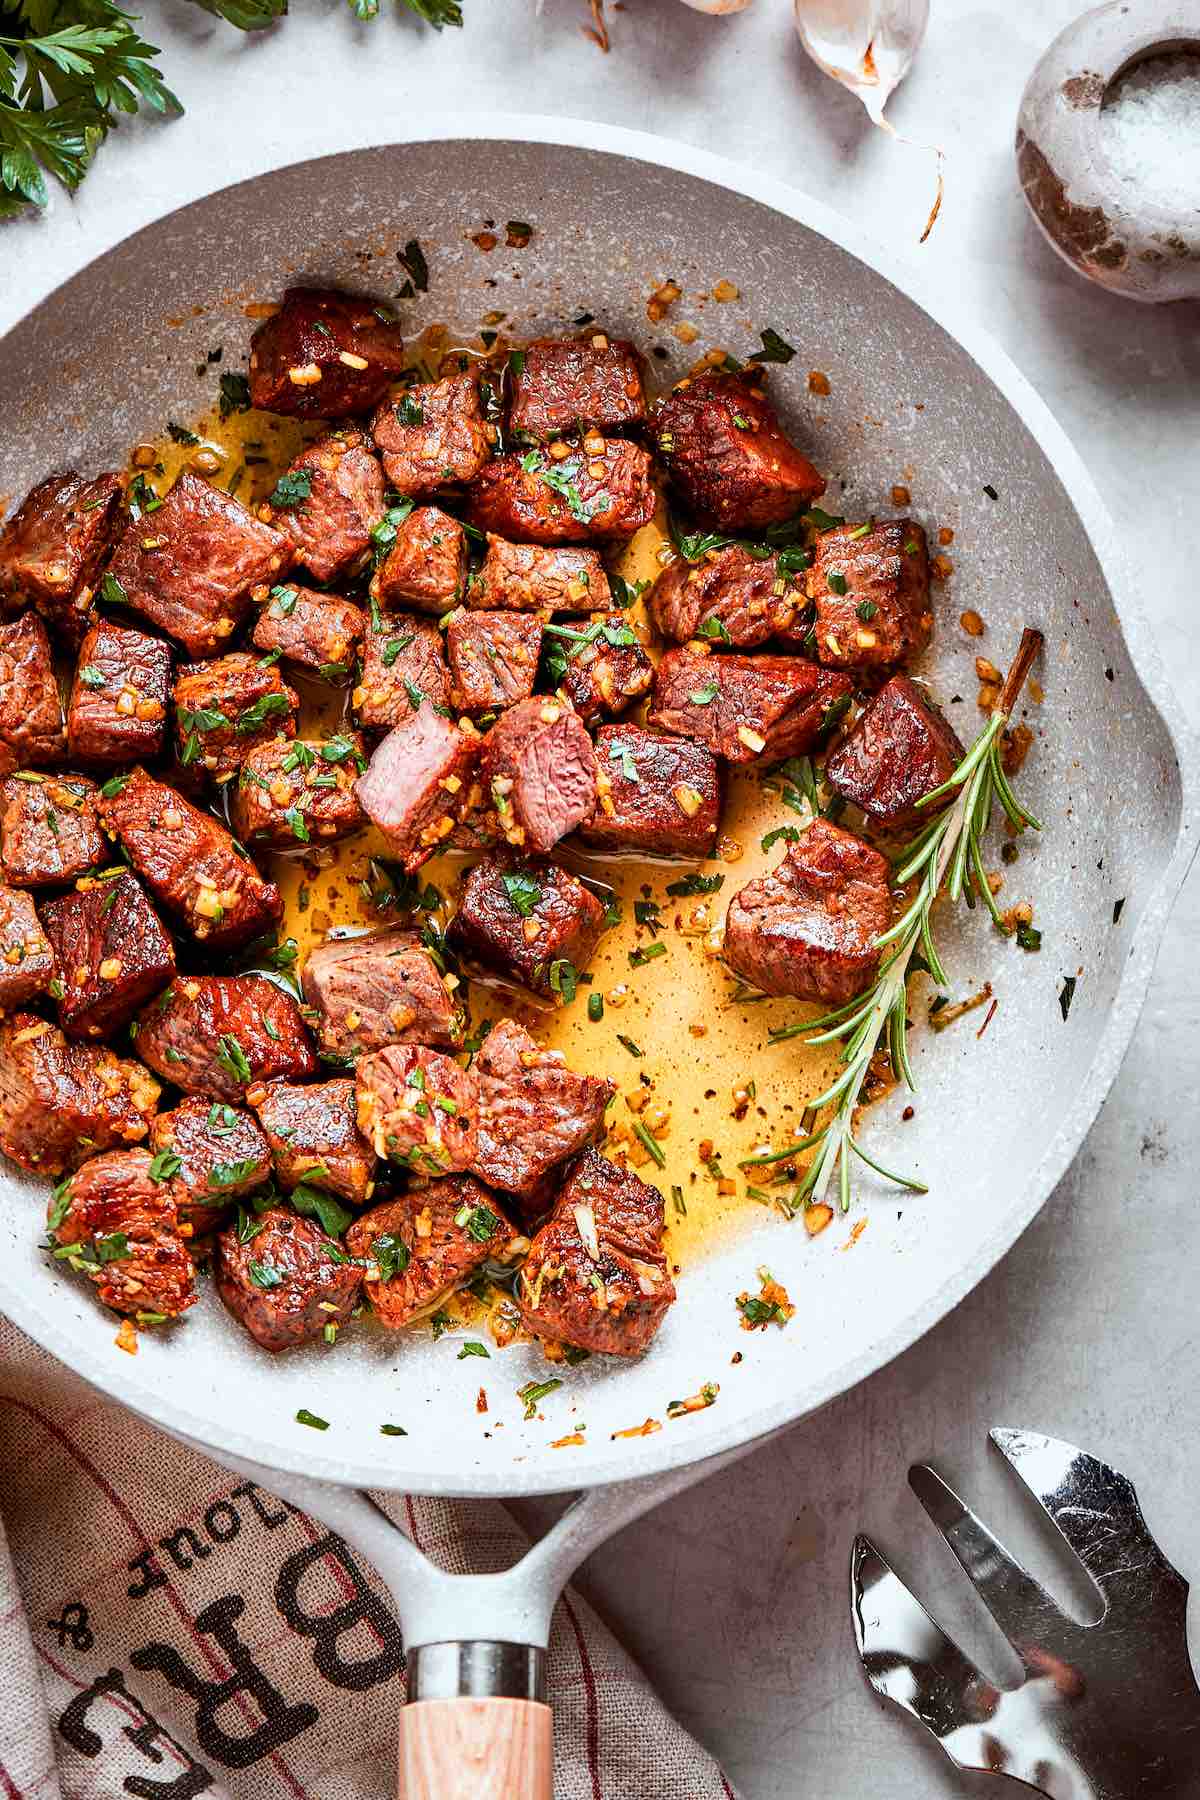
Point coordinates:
[(113, 355)]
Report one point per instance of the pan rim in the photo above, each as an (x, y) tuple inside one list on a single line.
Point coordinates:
[(708, 1437)]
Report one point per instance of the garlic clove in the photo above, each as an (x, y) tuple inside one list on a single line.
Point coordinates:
[(717, 6), (867, 45)]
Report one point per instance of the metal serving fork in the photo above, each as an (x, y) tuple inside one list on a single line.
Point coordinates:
[(1109, 1711)]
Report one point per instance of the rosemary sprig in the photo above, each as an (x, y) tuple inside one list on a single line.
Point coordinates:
[(948, 851)]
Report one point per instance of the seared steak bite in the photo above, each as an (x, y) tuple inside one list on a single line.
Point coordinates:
[(432, 435), (726, 456), (519, 919), (314, 1138), (52, 547), (531, 578), (49, 834), (328, 503), (286, 1282), (125, 1227), (60, 1101), (810, 927), (403, 663), (533, 1111), (426, 566), (31, 714), (606, 669), (419, 783), (568, 385), (317, 632), (871, 592), (417, 1108), (899, 750), (381, 988), (596, 1276), (290, 793), (224, 1035), (209, 1154), (655, 793), (112, 954), (493, 659), (428, 1241), (729, 597), (538, 769), (189, 566), (747, 708), (26, 958), (584, 498), (323, 354), (118, 707), (189, 861), (224, 709)]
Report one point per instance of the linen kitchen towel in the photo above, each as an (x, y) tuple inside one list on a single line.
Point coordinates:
[(168, 1629)]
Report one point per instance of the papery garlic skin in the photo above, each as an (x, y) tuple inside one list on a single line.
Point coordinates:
[(867, 45), (717, 6)]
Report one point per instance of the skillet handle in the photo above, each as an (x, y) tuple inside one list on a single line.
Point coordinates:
[(476, 1749), (476, 1725)]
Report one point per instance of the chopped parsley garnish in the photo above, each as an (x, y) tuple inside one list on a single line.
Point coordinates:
[(164, 1165), (315, 1203), (774, 348), (179, 434), (393, 647), (595, 1008), (836, 582), (264, 708), (110, 589), (264, 1275), (473, 1347), (866, 610), (523, 893), (393, 1431), (91, 676), (390, 1254), (1066, 994), (692, 883), (304, 1417), (292, 489), (409, 411), (535, 1391), (706, 695), (1029, 937), (788, 833), (235, 394), (232, 1058), (412, 257), (628, 1043), (716, 628), (645, 953), (230, 1174), (564, 979)]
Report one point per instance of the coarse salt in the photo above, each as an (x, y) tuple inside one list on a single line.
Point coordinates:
[(1148, 130)]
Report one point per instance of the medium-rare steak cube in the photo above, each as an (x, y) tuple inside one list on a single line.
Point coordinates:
[(328, 503), (538, 769), (118, 708), (596, 1275), (605, 668), (899, 750), (49, 833), (810, 928), (434, 434), (381, 988), (403, 663), (209, 1153), (727, 458), (286, 1282), (493, 659), (870, 587), (31, 713), (226, 708), (323, 354), (426, 567), (314, 1138), (655, 793), (583, 498), (559, 386), (189, 861), (290, 793), (420, 782), (532, 578), (52, 548), (729, 597), (520, 920), (417, 1108), (533, 1111), (26, 959), (748, 707), (421, 1246), (112, 954), (318, 632), (60, 1101), (189, 566), (123, 1224), (224, 1035)]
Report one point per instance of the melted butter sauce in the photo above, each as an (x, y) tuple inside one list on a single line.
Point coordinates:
[(700, 1045)]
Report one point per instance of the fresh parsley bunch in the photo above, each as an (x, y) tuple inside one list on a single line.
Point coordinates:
[(68, 67)]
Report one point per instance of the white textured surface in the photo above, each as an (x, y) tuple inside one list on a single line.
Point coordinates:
[(735, 1595)]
